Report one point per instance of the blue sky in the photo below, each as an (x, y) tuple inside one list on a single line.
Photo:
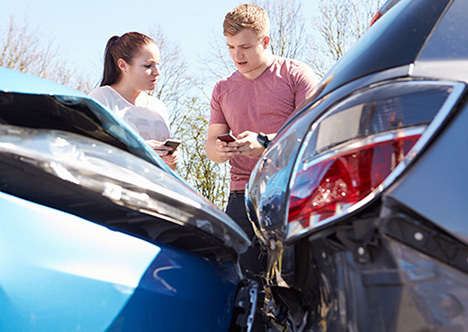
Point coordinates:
[(82, 28)]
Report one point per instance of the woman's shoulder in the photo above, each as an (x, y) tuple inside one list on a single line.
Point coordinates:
[(104, 94), (108, 96), (101, 91)]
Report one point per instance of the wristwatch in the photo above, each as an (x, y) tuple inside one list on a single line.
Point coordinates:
[(263, 140)]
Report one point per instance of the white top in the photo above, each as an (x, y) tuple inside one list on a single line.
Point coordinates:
[(148, 117)]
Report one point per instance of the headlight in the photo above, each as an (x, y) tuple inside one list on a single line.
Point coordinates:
[(119, 177)]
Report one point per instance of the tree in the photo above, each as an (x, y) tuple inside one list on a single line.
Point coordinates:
[(288, 28), (175, 82), (209, 178), (339, 24), (189, 122), (28, 49)]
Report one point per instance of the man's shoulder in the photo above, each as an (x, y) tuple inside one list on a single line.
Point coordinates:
[(290, 64), (229, 80), (235, 75)]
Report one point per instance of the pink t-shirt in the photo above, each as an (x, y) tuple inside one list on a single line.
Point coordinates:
[(259, 105)]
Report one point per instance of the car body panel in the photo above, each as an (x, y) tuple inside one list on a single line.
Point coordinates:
[(61, 272), (51, 259), (417, 189), (444, 44)]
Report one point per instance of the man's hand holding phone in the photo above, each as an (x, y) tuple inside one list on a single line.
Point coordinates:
[(227, 147), (227, 138), (248, 144), (245, 144)]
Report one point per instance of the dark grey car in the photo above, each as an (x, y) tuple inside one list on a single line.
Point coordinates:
[(360, 200)]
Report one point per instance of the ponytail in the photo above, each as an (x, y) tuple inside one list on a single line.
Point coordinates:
[(111, 72)]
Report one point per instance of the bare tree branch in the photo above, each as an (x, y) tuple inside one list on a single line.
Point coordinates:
[(289, 35), (339, 25), (29, 49), (175, 82)]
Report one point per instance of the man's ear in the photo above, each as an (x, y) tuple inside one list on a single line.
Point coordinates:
[(266, 42), (122, 64)]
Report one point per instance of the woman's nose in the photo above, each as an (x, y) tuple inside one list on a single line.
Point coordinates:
[(156, 71)]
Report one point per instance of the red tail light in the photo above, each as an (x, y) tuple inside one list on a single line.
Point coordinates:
[(344, 179), (359, 146)]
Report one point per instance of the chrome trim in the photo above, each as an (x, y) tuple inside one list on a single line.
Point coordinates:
[(293, 231), (360, 142)]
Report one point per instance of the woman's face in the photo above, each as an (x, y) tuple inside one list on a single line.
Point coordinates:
[(143, 71)]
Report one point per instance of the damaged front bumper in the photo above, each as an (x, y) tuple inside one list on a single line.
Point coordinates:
[(245, 304)]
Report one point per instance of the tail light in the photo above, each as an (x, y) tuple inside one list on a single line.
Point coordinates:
[(358, 148)]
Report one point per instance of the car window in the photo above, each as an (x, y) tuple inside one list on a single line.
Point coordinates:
[(450, 40)]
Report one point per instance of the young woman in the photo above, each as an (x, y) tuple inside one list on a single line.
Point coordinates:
[(131, 68)]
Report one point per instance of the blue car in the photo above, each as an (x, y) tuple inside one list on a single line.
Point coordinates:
[(97, 234)]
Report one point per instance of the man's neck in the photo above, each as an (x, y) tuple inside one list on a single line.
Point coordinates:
[(257, 72)]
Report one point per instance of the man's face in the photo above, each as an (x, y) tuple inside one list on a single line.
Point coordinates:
[(248, 53)]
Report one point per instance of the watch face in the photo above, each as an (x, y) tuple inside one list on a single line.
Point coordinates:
[(263, 140)]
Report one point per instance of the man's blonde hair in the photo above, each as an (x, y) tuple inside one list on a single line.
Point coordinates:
[(247, 17)]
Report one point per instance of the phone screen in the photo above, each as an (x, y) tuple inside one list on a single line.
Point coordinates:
[(173, 143), (227, 138)]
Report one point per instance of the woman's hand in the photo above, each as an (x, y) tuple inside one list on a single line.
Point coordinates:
[(172, 159), (159, 147), (162, 151)]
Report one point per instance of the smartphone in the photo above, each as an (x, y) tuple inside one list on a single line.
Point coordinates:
[(227, 138), (172, 143)]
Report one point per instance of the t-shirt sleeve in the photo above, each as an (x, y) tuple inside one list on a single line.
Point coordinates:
[(306, 83), (101, 96), (217, 115)]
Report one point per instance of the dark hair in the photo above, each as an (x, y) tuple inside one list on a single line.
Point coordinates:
[(125, 47)]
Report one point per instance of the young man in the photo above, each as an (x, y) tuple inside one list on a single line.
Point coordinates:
[(258, 97)]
